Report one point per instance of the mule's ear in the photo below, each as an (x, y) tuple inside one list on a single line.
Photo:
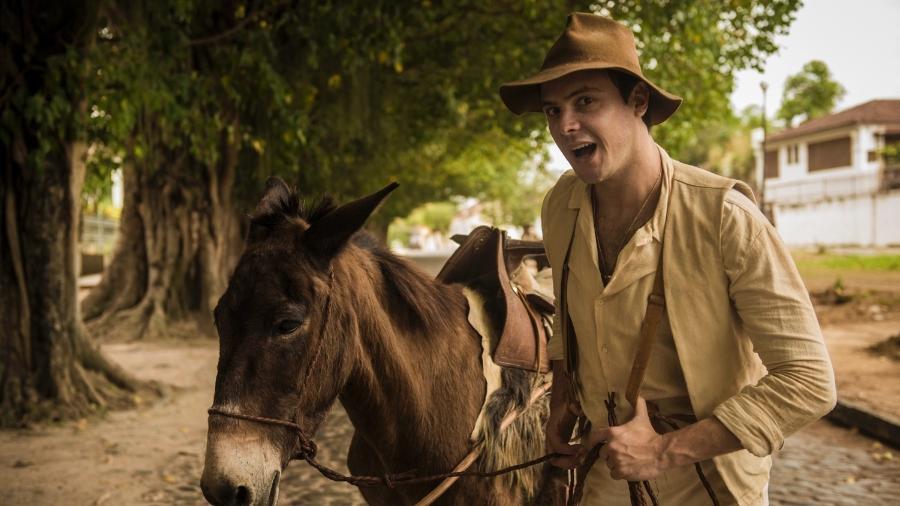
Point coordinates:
[(275, 196), (277, 199), (329, 234)]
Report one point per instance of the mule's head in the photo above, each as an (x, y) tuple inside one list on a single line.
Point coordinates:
[(282, 352)]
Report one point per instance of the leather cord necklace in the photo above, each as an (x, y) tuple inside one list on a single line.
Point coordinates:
[(606, 271)]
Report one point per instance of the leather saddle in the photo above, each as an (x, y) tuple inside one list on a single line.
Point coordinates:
[(519, 316)]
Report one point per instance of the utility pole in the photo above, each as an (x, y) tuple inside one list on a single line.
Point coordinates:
[(762, 185)]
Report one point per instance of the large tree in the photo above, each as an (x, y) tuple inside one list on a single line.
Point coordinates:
[(48, 366), (201, 101), (168, 108), (810, 93)]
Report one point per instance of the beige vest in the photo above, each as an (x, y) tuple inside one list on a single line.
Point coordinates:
[(717, 359)]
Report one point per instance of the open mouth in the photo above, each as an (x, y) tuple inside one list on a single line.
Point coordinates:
[(584, 150)]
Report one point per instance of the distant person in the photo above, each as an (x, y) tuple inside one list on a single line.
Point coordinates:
[(737, 360)]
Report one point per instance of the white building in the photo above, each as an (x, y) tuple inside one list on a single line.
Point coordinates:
[(827, 183)]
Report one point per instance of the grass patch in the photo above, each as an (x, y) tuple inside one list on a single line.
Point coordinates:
[(829, 261)]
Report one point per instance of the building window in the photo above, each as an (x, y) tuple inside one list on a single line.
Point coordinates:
[(829, 154), (793, 154), (770, 164)]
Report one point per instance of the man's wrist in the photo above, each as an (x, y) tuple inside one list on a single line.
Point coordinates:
[(693, 443), (669, 457)]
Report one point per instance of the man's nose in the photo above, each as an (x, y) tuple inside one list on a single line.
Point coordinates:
[(569, 121)]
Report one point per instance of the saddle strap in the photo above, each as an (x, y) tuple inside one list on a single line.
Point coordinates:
[(536, 329), (656, 307), (567, 328)]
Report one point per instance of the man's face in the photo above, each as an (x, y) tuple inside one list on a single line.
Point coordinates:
[(591, 124)]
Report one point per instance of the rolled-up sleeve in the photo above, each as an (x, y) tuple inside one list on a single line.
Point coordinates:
[(777, 315)]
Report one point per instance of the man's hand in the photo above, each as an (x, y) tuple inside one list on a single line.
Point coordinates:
[(564, 412), (633, 451)]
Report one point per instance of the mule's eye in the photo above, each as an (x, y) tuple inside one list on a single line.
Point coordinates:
[(288, 326)]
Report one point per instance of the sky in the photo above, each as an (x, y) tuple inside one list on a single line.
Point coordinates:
[(858, 40)]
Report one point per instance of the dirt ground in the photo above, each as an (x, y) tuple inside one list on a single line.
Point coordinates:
[(860, 329), (151, 455), (154, 454)]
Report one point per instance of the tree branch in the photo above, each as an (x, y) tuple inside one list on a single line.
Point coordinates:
[(253, 16)]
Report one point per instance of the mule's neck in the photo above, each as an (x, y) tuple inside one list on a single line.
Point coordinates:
[(416, 386)]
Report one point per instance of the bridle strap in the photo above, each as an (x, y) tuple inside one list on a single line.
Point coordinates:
[(308, 447), (325, 310), (308, 453)]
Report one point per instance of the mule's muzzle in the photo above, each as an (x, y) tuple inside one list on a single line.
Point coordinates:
[(225, 492), (242, 467)]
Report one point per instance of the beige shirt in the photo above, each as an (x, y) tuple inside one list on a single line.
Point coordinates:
[(617, 311), (749, 347)]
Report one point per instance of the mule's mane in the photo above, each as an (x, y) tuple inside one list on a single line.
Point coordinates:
[(428, 304), (290, 206), (431, 304)]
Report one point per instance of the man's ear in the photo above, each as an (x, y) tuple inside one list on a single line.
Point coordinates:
[(329, 234), (640, 98)]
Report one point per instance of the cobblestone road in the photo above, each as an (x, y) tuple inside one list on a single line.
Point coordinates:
[(152, 456), (821, 465), (828, 465)]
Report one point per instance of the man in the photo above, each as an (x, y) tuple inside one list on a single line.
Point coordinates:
[(737, 357)]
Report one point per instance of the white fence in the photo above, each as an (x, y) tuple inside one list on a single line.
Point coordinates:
[(98, 234), (814, 188), (850, 209)]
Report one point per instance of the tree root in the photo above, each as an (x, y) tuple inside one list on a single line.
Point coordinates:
[(131, 324), (93, 359), (84, 384)]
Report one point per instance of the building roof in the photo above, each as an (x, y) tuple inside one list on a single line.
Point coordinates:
[(878, 112)]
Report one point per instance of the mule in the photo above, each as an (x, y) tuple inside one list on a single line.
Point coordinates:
[(318, 311)]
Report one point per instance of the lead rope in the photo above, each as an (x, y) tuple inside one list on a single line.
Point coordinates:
[(308, 449)]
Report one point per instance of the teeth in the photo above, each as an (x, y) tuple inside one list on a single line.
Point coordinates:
[(586, 144)]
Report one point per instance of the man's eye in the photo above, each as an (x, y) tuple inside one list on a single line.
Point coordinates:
[(585, 100), (287, 326), (551, 111)]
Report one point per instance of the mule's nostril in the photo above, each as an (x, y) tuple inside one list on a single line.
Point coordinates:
[(242, 495)]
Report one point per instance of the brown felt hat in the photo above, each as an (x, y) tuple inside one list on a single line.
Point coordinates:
[(588, 42)]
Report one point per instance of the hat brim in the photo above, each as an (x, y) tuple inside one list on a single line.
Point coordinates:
[(525, 95)]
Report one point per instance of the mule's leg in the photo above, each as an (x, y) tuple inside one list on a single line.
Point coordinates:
[(362, 460)]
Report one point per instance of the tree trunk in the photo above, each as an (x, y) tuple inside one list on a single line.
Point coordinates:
[(49, 367), (179, 240)]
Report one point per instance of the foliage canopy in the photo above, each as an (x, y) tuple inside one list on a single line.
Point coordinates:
[(809, 93), (344, 96)]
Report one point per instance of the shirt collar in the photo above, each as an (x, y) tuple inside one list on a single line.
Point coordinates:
[(581, 198)]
